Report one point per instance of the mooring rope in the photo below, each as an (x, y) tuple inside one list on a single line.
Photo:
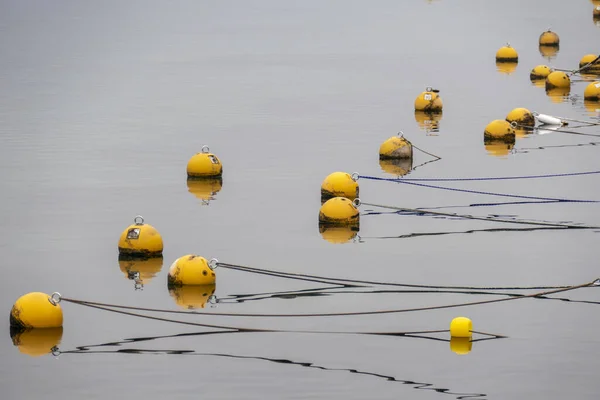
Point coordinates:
[(496, 178)]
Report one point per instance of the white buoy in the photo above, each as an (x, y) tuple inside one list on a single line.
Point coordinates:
[(544, 119)]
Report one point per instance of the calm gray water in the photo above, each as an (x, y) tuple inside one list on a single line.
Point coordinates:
[(103, 103)]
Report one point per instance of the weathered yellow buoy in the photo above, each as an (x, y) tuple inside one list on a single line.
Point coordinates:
[(507, 54), (340, 184), (140, 270), (592, 91), (498, 147), (522, 117), (396, 147), (427, 121), (429, 101), (558, 95), (140, 240), (549, 38), (204, 189), (192, 297), (338, 234), (191, 270), (461, 345), (37, 310), (396, 167), (591, 64), (339, 211), (506, 67), (499, 129), (204, 164), (540, 72), (38, 341), (558, 79), (461, 327)]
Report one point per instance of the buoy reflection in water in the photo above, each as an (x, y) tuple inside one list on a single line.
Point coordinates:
[(205, 189), (192, 297), (429, 122), (399, 167), (461, 345), (339, 234), (140, 270), (37, 341), (558, 95), (549, 52), (499, 147), (506, 67)]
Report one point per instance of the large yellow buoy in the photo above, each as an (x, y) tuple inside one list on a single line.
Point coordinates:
[(396, 147), (498, 147), (427, 121), (507, 54), (140, 240), (37, 341), (204, 164), (204, 189), (499, 129), (338, 234), (429, 101), (592, 91), (37, 310), (339, 211), (140, 270), (558, 79), (558, 95), (192, 297), (340, 184), (191, 270), (461, 327), (522, 117), (540, 72), (591, 64), (549, 38), (396, 167), (461, 345)]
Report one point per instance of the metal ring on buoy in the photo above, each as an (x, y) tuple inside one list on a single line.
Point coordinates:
[(356, 202), (140, 219), (355, 176), (205, 149), (213, 263), (55, 298)]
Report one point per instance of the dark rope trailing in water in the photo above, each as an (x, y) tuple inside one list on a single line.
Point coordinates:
[(497, 178)]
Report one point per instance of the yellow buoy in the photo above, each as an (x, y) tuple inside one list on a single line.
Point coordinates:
[(204, 164), (192, 297), (558, 95), (140, 240), (592, 91), (540, 72), (340, 184), (140, 270), (338, 234), (591, 64), (339, 211), (522, 117), (191, 270), (396, 167), (498, 148), (461, 345), (429, 101), (506, 67), (499, 129), (549, 38), (38, 341), (427, 121), (37, 310), (558, 79), (396, 147), (461, 327), (507, 54), (204, 189)]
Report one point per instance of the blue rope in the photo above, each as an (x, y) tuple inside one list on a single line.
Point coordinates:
[(500, 178)]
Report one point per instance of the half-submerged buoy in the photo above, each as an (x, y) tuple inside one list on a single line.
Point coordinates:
[(549, 38), (37, 310), (558, 79), (499, 130), (522, 117), (507, 54), (140, 240), (461, 327), (429, 101), (340, 184), (590, 64), (339, 211), (191, 270), (396, 147), (204, 165), (540, 72), (592, 91)]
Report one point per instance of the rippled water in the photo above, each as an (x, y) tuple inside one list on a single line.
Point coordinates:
[(103, 104)]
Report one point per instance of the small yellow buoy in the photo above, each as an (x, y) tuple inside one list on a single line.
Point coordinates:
[(592, 91), (540, 72), (429, 101), (191, 270), (140, 240), (558, 79), (396, 147), (338, 234), (339, 211), (396, 167), (498, 148), (37, 310), (192, 297), (507, 54), (204, 164), (461, 345), (36, 342), (499, 129), (591, 64), (461, 327), (204, 189), (558, 95), (549, 38), (140, 270), (427, 121), (340, 184), (522, 117)]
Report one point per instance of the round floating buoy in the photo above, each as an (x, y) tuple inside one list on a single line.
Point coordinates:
[(192, 297), (507, 54), (522, 116), (140, 240), (461, 327), (339, 211), (37, 310), (498, 148), (588, 59), (558, 79), (427, 121), (429, 101), (506, 67), (549, 38), (204, 164), (540, 72), (338, 234), (499, 129), (592, 91), (340, 184), (558, 95), (396, 167), (204, 189), (191, 270), (36, 342), (396, 147), (140, 270), (461, 345)]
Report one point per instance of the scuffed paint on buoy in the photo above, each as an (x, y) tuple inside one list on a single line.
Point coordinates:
[(429, 101), (36, 342), (540, 72), (191, 270), (140, 270), (461, 327), (205, 189), (461, 345), (396, 167), (507, 54), (396, 147), (37, 310), (558, 79), (339, 211), (549, 38), (140, 240), (592, 91), (204, 165), (499, 130), (340, 184), (522, 117), (338, 234), (192, 297)]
